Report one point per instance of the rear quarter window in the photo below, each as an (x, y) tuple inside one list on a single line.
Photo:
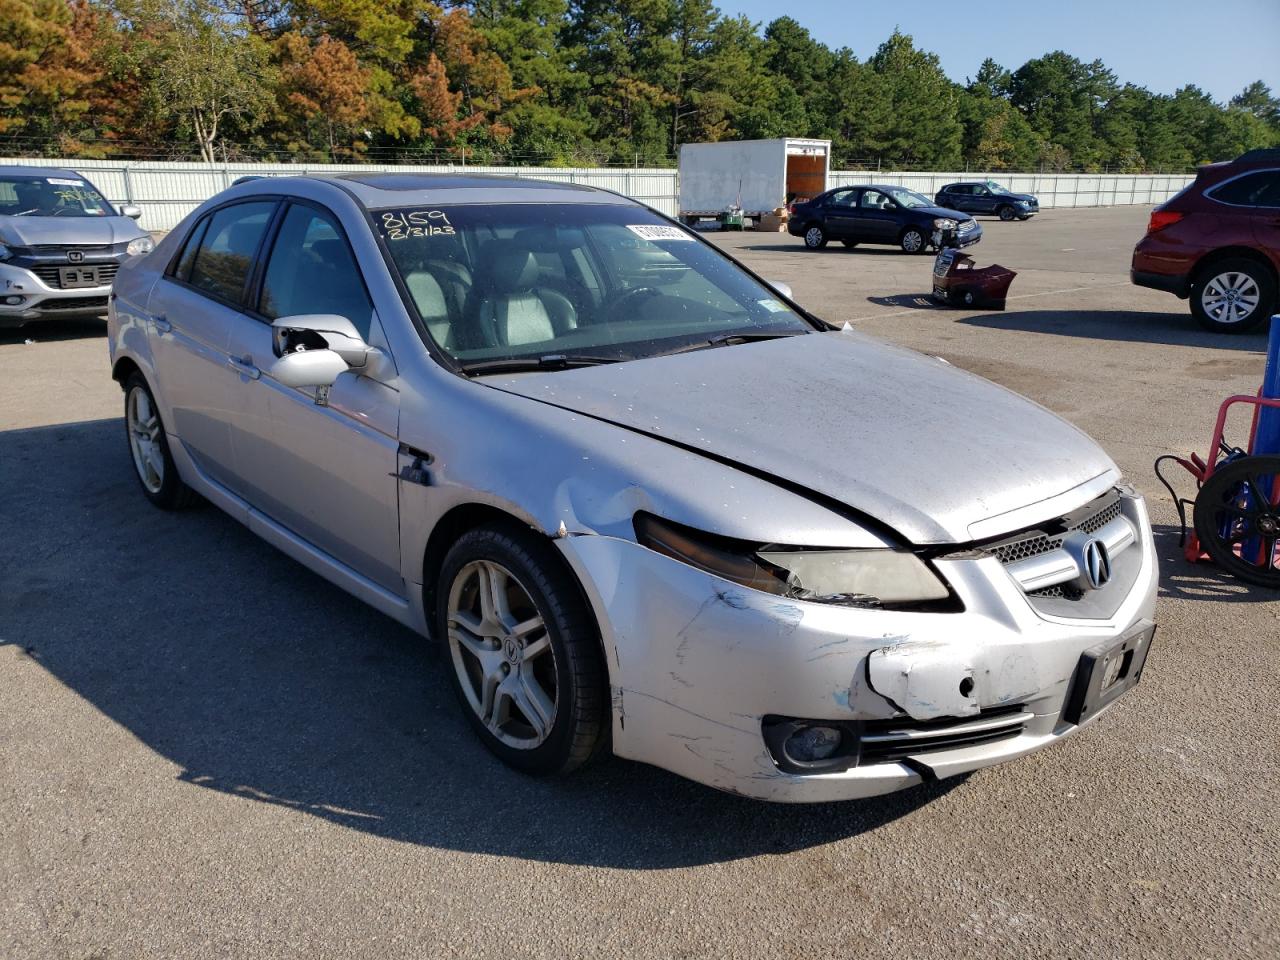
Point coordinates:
[(1260, 189)]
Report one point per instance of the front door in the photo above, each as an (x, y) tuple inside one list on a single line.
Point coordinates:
[(877, 217), (326, 471)]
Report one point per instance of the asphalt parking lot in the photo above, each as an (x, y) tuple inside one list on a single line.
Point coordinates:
[(207, 751)]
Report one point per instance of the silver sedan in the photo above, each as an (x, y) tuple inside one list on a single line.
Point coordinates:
[(644, 502)]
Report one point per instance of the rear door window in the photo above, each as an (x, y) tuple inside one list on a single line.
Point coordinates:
[(1251, 190), (224, 257), (312, 270)]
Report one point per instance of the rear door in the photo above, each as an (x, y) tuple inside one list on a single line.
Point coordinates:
[(193, 310), (840, 214), (1266, 218)]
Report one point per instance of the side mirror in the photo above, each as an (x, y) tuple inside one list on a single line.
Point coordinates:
[(132, 212), (782, 288), (338, 333), (309, 368)]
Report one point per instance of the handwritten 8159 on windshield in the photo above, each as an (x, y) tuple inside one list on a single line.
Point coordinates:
[(399, 225)]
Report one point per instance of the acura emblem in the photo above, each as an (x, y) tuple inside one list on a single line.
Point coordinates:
[(75, 256), (1097, 564)]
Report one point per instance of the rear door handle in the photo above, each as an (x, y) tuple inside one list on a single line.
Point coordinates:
[(245, 366), (162, 323)]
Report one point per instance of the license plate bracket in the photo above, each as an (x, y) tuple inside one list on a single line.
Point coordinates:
[(70, 278), (1107, 671)]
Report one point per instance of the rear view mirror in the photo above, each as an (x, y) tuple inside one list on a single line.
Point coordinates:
[(130, 211)]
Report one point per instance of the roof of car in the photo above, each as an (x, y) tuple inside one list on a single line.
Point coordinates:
[(39, 171), (399, 189)]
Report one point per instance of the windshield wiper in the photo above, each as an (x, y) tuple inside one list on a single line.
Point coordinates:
[(548, 361), (729, 339)]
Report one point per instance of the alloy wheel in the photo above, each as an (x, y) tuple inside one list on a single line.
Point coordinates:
[(1230, 297), (814, 237), (144, 440), (912, 241), (502, 653)]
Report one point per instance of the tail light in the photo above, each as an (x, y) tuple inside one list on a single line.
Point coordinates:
[(1163, 218)]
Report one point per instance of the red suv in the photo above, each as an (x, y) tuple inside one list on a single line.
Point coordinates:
[(1217, 242)]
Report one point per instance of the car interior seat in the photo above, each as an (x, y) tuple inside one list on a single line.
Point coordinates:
[(508, 306)]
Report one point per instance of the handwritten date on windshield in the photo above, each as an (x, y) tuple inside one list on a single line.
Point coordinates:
[(403, 224)]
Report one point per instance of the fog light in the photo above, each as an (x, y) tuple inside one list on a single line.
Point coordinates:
[(813, 743), (14, 301)]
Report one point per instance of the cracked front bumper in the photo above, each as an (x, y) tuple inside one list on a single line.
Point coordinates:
[(696, 663)]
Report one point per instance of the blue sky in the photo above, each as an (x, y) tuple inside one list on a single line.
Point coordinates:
[(1219, 45)]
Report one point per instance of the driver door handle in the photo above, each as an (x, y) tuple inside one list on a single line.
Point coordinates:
[(162, 323), (245, 366)]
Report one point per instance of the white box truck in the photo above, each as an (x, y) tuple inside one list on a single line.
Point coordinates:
[(757, 175)]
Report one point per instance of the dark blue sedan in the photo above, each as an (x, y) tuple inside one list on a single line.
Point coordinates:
[(881, 214)]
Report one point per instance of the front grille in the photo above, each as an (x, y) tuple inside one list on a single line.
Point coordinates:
[(888, 741), (73, 303), (967, 226), (1032, 543), (49, 273)]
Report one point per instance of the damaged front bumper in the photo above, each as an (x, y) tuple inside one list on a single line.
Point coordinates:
[(700, 667)]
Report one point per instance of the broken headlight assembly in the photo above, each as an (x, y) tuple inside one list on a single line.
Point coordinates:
[(878, 578)]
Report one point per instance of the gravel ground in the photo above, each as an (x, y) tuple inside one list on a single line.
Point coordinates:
[(206, 751)]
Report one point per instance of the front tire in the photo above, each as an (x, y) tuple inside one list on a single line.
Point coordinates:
[(149, 448), (1232, 296), (523, 650), (913, 240), (815, 238), (1007, 213), (849, 244)]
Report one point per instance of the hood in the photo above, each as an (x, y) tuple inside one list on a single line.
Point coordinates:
[(918, 445), (67, 231), (958, 215), (1020, 196)]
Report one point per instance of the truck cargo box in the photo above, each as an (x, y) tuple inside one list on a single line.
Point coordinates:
[(757, 175)]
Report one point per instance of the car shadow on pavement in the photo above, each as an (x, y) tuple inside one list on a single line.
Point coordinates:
[(47, 331), (835, 246), (909, 301), (1183, 580), (264, 682), (1128, 326)]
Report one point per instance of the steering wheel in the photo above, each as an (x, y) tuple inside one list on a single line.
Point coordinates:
[(627, 297)]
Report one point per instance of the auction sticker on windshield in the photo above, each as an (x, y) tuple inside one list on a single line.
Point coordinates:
[(657, 231)]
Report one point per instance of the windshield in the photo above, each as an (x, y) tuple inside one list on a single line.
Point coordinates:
[(909, 198), (31, 196), (995, 187), (598, 282)]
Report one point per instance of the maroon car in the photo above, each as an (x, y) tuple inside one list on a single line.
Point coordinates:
[(1217, 242)]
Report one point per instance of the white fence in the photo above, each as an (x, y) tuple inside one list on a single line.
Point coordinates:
[(168, 191)]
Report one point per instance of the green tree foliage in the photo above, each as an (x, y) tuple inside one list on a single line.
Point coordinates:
[(562, 81)]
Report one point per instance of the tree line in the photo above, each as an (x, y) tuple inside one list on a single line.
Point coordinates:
[(566, 82)]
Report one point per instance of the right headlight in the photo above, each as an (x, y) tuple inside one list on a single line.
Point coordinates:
[(5, 252), (857, 578)]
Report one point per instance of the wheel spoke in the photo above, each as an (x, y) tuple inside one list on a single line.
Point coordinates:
[(1260, 499), (493, 596), (532, 700), (473, 624), (473, 644), (537, 648), (527, 627)]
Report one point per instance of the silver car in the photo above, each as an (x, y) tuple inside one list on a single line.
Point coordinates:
[(642, 500), (61, 243)]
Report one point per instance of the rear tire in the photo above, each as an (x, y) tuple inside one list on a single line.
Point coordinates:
[(1233, 296), (815, 238), (913, 240), (523, 650), (149, 448)]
